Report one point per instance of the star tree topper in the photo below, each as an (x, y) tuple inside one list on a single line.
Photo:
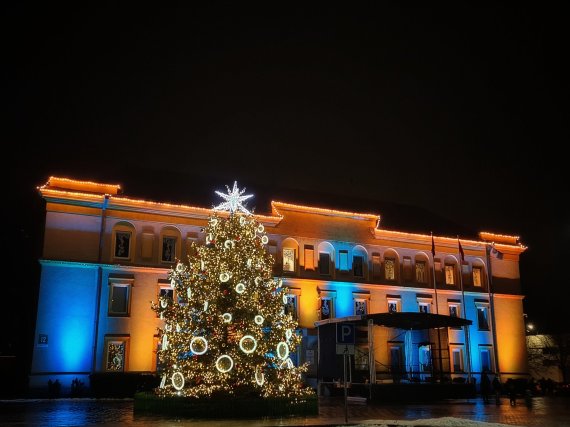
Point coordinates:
[(233, 200)]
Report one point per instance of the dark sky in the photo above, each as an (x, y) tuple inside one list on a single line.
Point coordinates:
[(453, 113)]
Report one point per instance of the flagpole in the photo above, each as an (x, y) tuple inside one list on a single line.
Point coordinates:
[(436, 310), (492, 307), (465, 327)]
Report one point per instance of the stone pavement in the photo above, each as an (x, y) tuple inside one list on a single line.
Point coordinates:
[(544, 411)]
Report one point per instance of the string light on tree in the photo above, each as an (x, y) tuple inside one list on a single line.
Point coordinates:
[(230, 332)]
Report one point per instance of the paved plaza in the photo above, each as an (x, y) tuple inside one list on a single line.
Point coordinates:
[(544, 411)]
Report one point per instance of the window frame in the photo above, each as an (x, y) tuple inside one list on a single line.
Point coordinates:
[(163, 237), (293, 259), (393, 263), (122, 229), (446, 268), (480, 274), (331, 297), (120, 283), (480, 306), (294, 293), (120, 339), (360, 297), (488, 348), (423, 263), (397, 301), (343, 260), (322, 263), (453, 349)]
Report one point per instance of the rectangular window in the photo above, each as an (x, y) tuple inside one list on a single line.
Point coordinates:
[(457, 359), (393, 306), (168, 249), (289, 260), (449, 275), (482, 318), (477, 276), (389, 269), (116, 354), (324, 263), (358, 266), (119, 299), (421, 272), (454, 310), (123, 244), (424, 307), (309, 257), (291, 306), (166, 292), (343, 260), (485, 357), (326, 308), (360, 307)]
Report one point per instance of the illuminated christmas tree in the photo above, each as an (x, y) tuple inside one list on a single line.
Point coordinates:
[(225, 330)]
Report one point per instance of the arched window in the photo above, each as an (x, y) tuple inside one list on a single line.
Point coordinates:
[(290, 253), (170, 244), (124, 235), (450, 270), (359, 262), (478, 273), (391, 265), (421, 268), (326, 259)]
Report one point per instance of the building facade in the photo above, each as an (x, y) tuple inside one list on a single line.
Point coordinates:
[(107, 256)]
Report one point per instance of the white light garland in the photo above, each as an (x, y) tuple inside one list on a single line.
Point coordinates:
[(260, 228), (258, 280), (214, 222), (209, 239), (224, 363), (288, 334), (284, 298), (249, 262), (189, 293), (265, 240), (259, 376), (177, 381), (205, 305), (282, 350), (168, 327), (179, 267), (164, 342), (224, 277), (227, 317), (198, 345), (172, 283), (163, 381), (240, 288), (163, 303), (259, 319), (241, 220), (229, 244), (248, 344), (178, 328)]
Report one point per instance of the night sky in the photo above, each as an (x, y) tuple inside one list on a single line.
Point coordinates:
[(437, 119)]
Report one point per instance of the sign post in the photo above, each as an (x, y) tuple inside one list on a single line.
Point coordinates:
[(345, 337)]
